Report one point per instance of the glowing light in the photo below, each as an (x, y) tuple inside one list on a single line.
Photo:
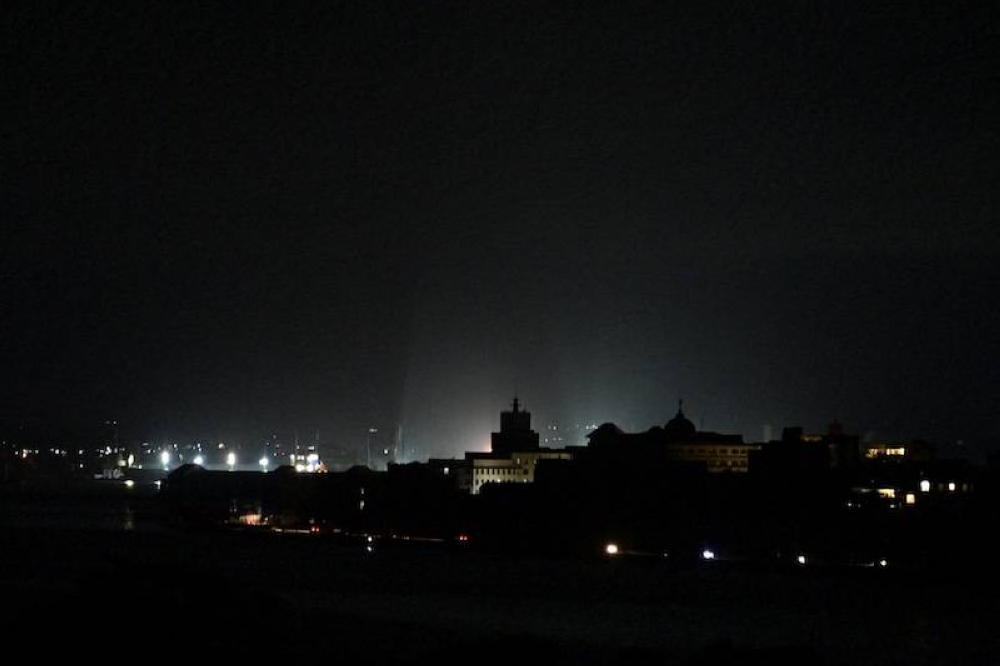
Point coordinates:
[(911, 498), (131, 460), (231, 459), (883, 562), (801, 559), (300, 467), (611, 549), (199, 459), (446, 470), (264, 462), (951, 486), (708, 554), (129, 483), (925, 486), (165, 458)]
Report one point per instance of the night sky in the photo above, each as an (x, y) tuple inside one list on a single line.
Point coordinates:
[(241, 220)]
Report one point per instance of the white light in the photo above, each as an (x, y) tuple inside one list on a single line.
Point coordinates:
[(801, 559), (708, 554), (300, 468), (446, 470), (611, 549), (231, 459), (883, 562), (199, 459), (264, 462), (131, 460), (925, 486), (129, 483), (911, 498), (951, 486), (165, 458), (312, 458)]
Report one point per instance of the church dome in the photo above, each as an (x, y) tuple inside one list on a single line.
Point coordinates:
[(680, 427)]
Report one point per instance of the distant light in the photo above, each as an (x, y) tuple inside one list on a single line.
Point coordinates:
[(158, 483), (221, 445), (264, 462), (911, 498), (129, 483), (300, 467), (231, 459), (131, 460), (883, 562), (199, 459), (951, 486), (925, 486), (446, 470), (801, 559), (165, 458), (708, 554), (611, 549), (463, 537)]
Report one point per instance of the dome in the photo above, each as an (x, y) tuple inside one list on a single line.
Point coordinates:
[(680, 426)]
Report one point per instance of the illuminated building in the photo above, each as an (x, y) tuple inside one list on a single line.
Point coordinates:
[(677, 441), (914, 450), (513, 457)]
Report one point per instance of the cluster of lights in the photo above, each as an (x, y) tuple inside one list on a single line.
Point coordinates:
[(309, 463)]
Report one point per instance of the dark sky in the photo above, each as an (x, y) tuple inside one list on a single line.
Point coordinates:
[(228, 221)]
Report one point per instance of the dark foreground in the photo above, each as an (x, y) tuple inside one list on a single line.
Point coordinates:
[(106, 578)]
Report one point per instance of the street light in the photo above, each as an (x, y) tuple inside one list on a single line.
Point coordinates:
[(231, 460)]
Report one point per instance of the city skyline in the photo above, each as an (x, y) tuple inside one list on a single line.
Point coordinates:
[(228, 222)]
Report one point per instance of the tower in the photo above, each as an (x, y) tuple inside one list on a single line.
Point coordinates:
[(515, 432)]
